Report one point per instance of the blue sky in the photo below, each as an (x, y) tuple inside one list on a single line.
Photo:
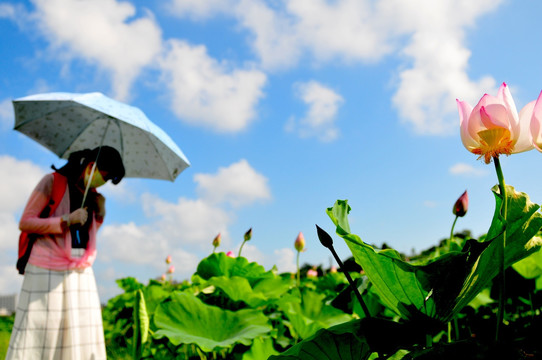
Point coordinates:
[(282, 107)]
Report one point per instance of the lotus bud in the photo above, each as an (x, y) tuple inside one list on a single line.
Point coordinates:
[(461, 205), (324, 237), (171, 269), (230, 254), (168, 259), (216, 241), (333, 269), (299, 243), (312, 273), (163, 277), (248, 235)]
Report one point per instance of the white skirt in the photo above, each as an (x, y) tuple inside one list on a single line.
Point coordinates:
[(58, 316)]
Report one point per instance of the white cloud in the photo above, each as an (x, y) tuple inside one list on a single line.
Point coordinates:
[(275, 40), (323, 105), (238, 185), (198, 9), (429, 35), (462, 169), (7, 11), (116, 41), (6, 114), (209, 93), (194, 222), (285, 260), (349, 29), (19, 179), (122, 192), (185, 228), (427, 91)]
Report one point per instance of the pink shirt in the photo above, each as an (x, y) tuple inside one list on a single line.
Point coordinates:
[(52, 250)]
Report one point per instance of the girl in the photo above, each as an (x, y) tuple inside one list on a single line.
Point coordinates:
[(59, 314)]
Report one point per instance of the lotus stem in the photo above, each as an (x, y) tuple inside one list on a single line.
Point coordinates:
[(504, 212), (327, 241), (450, 240), (351, 282), (452, 234), (241, 248), (298, 270)]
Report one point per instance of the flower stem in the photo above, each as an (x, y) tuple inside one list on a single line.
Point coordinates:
[(298, 271), (351, 282), (450, 249), (504, 212), (241, 248), (452, 234)]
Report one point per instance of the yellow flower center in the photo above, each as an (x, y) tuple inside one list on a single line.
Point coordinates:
[(494, 142)]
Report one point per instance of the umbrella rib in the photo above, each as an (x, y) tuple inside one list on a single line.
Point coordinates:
[(148, 135), (63, 152), (21, 124)]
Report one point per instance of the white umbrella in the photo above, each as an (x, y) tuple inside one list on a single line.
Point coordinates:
[(68, 122)]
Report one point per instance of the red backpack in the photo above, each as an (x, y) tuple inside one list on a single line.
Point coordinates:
[(26, 240)]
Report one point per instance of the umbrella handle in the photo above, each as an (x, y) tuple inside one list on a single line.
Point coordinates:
[(89, 181), (94, 165)]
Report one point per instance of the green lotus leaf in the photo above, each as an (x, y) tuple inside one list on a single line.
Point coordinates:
[(311, 313), (440, 288), (261, 348), (219, 264), (340, 342), (154, 294), (239, 289), (531, 266), (184, 319), (129, 284)]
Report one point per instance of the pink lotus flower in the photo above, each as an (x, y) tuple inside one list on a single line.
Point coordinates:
[(493, 127), (171, 269), (168, 259), (230, 254), (312, 273), (299, 243), (461, 205), (533, 110)]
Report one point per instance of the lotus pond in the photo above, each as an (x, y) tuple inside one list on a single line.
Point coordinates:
[(442, 303)]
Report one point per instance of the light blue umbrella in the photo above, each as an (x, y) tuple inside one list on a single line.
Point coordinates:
[(68, 122)]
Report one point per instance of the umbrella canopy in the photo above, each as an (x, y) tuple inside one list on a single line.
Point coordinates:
[(68, 122)]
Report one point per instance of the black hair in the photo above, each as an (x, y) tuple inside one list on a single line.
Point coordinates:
[(108, 159)]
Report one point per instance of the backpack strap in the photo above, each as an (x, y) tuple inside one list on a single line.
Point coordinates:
[(26, 240), (59, 188)]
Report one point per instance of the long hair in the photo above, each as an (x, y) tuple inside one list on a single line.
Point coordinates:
[(108, 159)]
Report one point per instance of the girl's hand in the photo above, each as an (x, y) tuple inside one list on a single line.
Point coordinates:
[(79, 216)]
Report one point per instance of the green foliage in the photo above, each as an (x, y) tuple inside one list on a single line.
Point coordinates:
[(236, 309), (232, 306), (183, 318), (219, 264), (310, 313), (439, 289), (6, 324), (141, 324), (340, 342)]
